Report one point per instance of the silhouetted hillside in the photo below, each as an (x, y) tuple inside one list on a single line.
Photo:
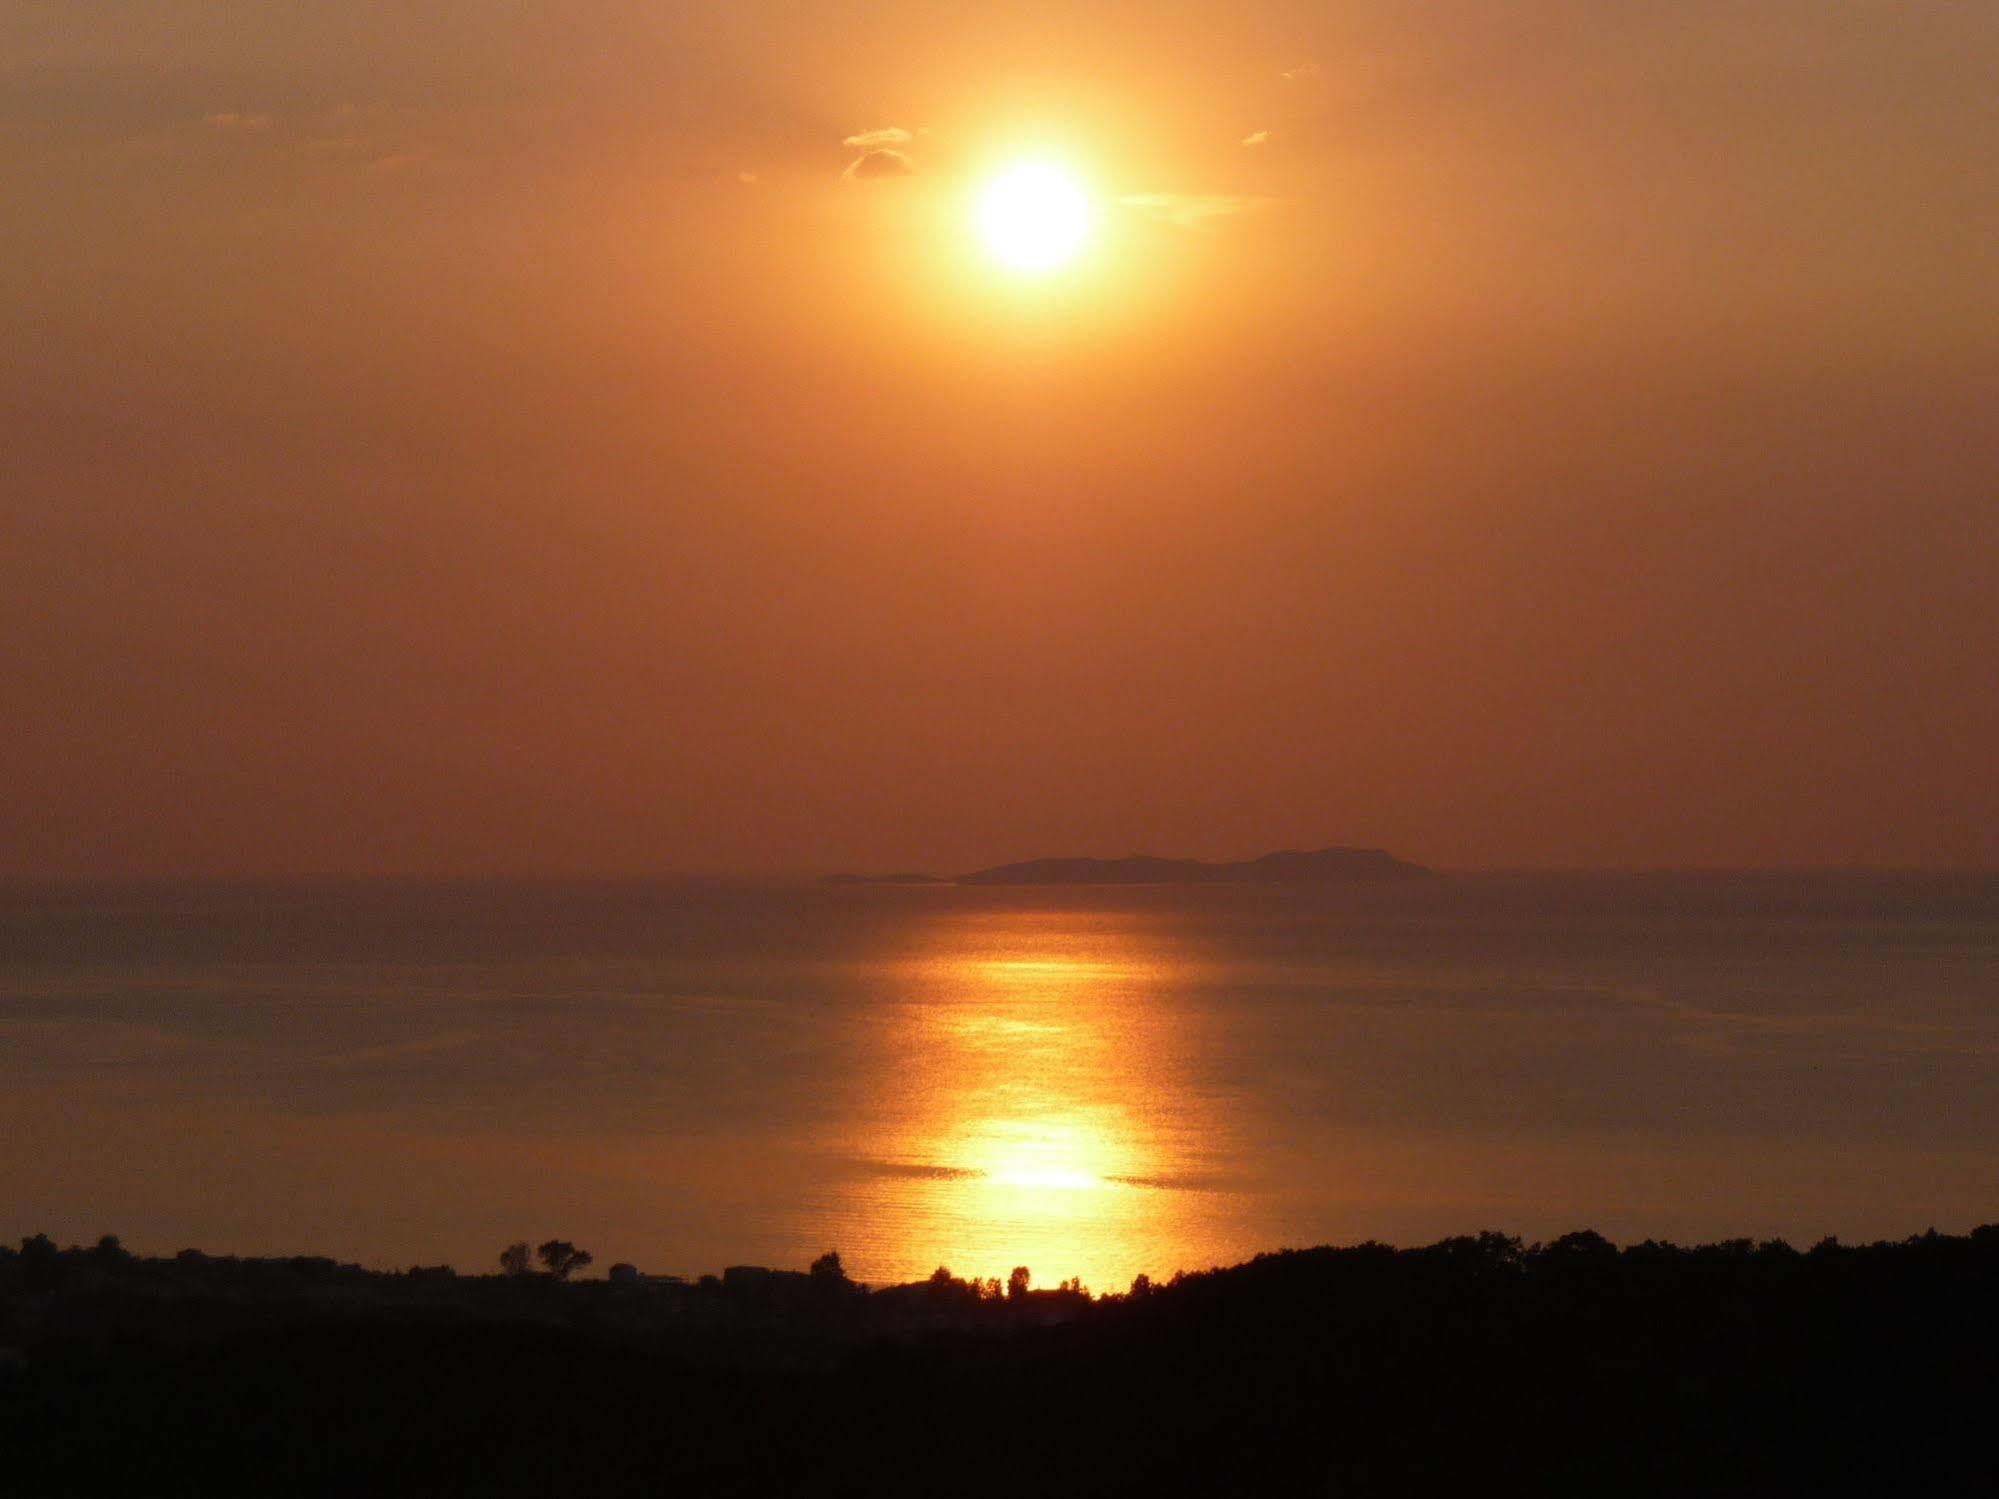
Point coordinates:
[(1474, 1364)]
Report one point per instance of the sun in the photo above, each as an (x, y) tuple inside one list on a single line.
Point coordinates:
[(1034, 217)]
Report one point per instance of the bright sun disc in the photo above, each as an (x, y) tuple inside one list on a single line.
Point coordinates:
[(1034, 217)]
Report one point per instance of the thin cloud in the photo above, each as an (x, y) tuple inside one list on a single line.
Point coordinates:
[(371, 137), (1257, 138), (230, 120), (879, 164), (875, 140), (1191, 210), (1303, 71)]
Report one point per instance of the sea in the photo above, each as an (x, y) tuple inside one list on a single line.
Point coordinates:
[(1093, 1083)]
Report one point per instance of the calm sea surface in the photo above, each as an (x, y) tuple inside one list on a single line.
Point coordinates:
[(1090, 1083)]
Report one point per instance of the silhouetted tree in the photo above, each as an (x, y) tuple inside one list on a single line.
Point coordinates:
[(562, 1257), (1500, 1249), (827, 1269), (1586, 1245), (1016, 1283), (41, 1261), (1141, 1286)]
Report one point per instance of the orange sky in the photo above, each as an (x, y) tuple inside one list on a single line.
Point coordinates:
[(500, 437)]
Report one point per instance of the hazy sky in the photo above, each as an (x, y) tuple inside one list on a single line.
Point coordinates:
[(504, 436)]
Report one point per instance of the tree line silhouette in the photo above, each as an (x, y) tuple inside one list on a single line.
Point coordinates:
[(559, 1258), (1479, 1361)]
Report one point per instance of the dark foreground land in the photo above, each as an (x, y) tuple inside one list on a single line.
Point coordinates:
[(1473, 1365)]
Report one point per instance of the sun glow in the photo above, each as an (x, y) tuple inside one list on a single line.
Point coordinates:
[(1034, 217)]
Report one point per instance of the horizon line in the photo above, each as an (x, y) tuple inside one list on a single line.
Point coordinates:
[(795, 873)]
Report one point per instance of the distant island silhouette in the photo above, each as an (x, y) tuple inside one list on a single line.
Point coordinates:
[(1320, 866)]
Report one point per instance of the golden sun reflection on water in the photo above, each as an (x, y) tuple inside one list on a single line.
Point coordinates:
[(1034, 1111)]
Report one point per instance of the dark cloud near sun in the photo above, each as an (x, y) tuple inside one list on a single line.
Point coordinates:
[(882, 163)]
